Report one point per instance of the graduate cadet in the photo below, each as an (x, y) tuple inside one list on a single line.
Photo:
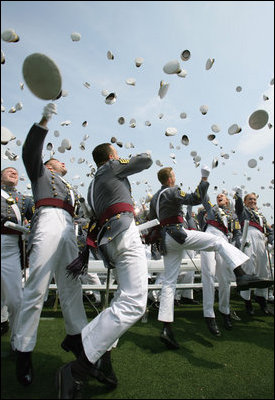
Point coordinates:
[(52, 246), (166, 205), (120, 247)]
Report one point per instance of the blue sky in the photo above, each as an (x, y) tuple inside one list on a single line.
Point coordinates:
[(238, 35)]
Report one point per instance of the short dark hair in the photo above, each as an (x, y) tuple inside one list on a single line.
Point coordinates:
[(101, 153), (50, 159), (164, 174)]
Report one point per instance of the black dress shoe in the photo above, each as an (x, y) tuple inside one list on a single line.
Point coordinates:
[(73, 343), (103, 370), (212, 326), (4, 327), (67, 386), (227, 321), (167, 337), (246, 281), (24, 370), (263, 304), (186, 300), (249, 307)]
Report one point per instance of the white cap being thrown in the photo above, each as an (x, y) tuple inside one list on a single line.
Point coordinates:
[(42, 76)]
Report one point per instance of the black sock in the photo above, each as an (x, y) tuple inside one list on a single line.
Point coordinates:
[(80, 367), (238, 271)]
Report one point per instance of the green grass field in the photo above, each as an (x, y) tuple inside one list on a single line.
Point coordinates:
[(237, 365)]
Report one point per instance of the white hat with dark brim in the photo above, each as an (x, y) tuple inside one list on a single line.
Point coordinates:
[(172, 67), (163, 89), (185, 55), (10, 36), (42, 76), (209, 63), (252, 163), (75, 36), (6, 135)]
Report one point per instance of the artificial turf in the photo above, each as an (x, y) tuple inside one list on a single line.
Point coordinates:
[(237, 365)]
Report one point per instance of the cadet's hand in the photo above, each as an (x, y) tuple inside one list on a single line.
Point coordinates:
[(238, 191), (49, 110), (205, 171)]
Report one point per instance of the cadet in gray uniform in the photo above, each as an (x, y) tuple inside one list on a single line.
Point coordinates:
[(222, 222), (52, 246), (16, 208), (166, 205), (120, 246), (258, 234)]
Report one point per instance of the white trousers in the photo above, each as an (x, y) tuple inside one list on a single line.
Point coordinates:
[(199, 241), (258, 261), (186, 277), (129, 302), (54, 247), (11, 279), (213, 266)]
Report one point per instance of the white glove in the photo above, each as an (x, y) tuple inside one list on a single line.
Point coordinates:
[(238, 191), (49, 110), (205, 171)]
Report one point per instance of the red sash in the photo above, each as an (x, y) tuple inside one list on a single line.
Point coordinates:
[(55, 203), (113, 210), (172, 220), (217, 225), (258, 226)]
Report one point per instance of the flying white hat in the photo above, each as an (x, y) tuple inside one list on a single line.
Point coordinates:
[(209, 63), (132, 123), (110, 55), (172, 67), (161, 115), (56, 133), (3, 59), (182, 73), (66, 144), (238, 89), (111, 98), (215, 163), (258, 119), (10, 36), (185, 140), (75, 36), (233, 129), (211, 137), (6, 135), (163, 89), (185, 55), (203, 109), (121, 120), (193, 153), (139, 61), (215, 128), (183, 115), (42, 76), (131, 81), (104, 92), (171, 131), (252, 163)]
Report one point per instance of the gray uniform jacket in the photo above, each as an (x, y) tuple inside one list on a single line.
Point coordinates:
[(226, 218), (170, 205), (45, 184), (111, 186), (24, 203), (254, 216)]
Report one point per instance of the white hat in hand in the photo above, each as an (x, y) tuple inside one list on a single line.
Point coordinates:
[(205, 171), (49, 110), (238, 191)]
